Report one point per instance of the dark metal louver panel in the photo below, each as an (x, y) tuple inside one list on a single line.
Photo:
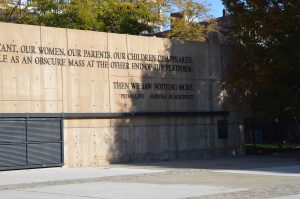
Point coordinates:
[(43, 130), (47, 153), (30, 143), (12, 131), (12, 155)]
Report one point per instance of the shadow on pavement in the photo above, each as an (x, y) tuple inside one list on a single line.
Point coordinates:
[(247, 162)]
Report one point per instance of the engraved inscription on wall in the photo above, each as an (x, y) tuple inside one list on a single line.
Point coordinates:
[(46, 56)]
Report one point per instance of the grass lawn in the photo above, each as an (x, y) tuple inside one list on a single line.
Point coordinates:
[(270, 148)]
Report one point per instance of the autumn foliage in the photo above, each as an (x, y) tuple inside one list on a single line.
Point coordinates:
[(266, 72)]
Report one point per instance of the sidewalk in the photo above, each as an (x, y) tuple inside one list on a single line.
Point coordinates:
[(227, 177)]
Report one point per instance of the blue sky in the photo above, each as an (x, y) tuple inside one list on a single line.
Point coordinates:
[(216, 7)]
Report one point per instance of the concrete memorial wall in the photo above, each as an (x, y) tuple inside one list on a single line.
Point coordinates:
[(152, 98)]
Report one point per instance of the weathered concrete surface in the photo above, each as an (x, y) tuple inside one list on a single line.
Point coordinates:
[(97, 77)]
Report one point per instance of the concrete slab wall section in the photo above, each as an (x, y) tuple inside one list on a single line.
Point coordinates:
[(55, 70)]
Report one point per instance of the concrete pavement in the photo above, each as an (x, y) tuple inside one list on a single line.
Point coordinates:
[(63, 174), (117, 191), (229, 177)]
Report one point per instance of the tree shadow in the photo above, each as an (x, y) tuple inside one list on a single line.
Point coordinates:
[(171, 123)]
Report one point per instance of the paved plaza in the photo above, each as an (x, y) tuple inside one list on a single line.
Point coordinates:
[(230, 177)]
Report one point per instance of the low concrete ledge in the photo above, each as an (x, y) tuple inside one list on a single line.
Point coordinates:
[(108, 115)]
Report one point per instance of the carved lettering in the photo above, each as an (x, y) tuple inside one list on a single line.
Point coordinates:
[(96, 54), (3, 58), (8, 48), (51, 51), (121, 85), (101, 59), (75, 62), (28, 49)]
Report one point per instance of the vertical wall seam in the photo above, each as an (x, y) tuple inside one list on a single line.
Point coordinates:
[(127, 75), (62, 74), (43, 70), (108, 77)]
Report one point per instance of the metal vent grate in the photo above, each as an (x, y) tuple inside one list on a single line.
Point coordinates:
[(12, 131), (30, 143), (43, 131), (48, 153), (12, 155)]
